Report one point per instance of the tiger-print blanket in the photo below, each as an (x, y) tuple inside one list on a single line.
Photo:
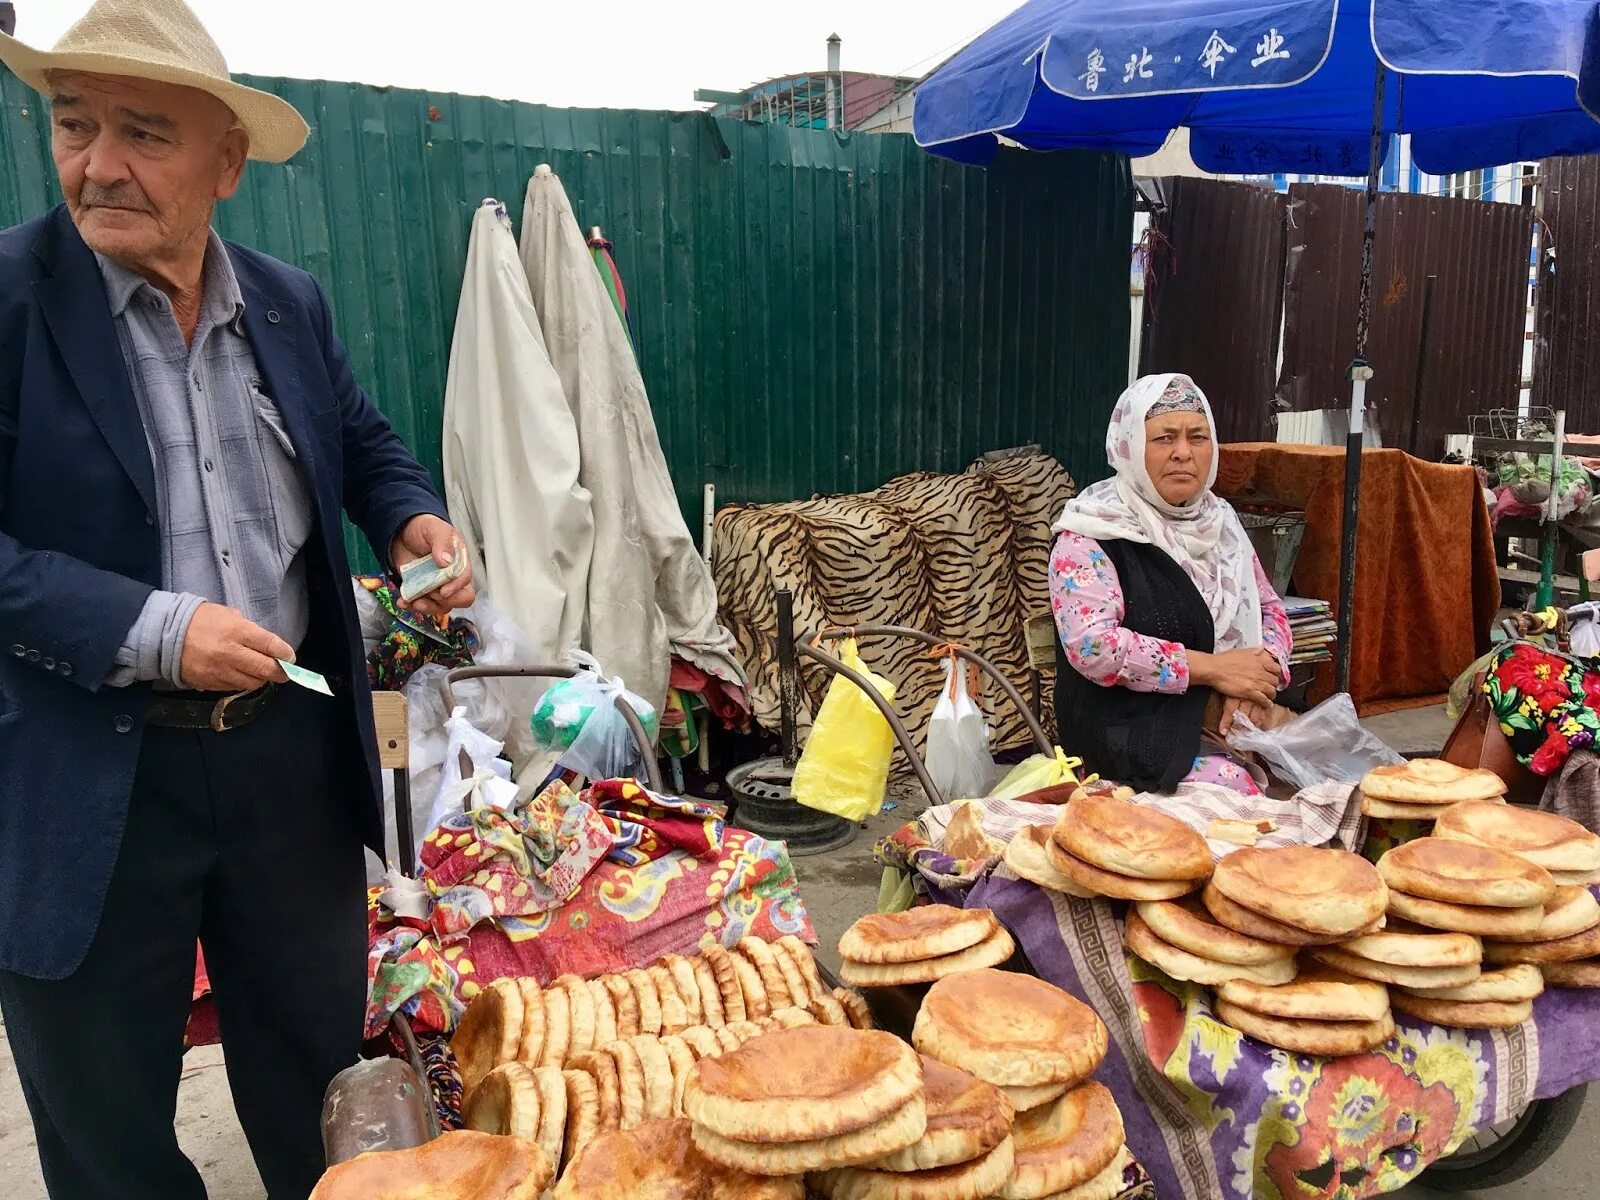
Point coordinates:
[(964, 557)]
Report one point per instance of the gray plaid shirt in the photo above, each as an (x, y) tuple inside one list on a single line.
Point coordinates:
[(232, 507)]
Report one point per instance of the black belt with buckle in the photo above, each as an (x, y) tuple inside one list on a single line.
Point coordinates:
[(209, 710)]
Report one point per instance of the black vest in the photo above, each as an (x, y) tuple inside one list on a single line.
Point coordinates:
[(1147, 740)]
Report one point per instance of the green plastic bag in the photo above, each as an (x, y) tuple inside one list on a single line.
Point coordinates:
[(1037, 773), (844, 769)]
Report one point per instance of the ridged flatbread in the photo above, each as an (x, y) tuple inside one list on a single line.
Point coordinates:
[(804, 1084), (687, 985), (1463, 1014), (1436, 868), (972, 1179), (1503, 985), (1129, 839), (1569, 949), (657, 1069), (727, 977), (1180, 964), (658, 1161), (799, 990), (648, 998), (710, 993), (580, 1013), (765, 962), (552, 1110), (600, 1066), (490, 1031), (1028, 856), (535, 1025), (681, 1060), (1026, 1099), (1414, 946), (624, 1003), (459, 1163), (1064, 1144), (855, 1007), (966, 1118), (1431, 781), (1365, 968), (1090, 878), (805, 962), (1187, 925), (1388, 810), (1318, 994), (702, 1041), (1107, 1185), (674, 1012), (505, 1103), (728, 1038), (1571, 911), (583, 1113), (605, 1015), (994, 950), (752, 987), (1010, 1029), (630, 1081), (557, 1029), (925, 931), (1329, 1039), (828, 1011), (743, 1031), (792, 1018), (1466, 918), (894, 1132), (1545, 839), (1585, 974), (1252, 924), (1319, 890)]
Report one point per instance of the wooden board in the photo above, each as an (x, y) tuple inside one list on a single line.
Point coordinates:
[(390, 715)]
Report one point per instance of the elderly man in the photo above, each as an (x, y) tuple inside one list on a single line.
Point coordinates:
[(179, 431)]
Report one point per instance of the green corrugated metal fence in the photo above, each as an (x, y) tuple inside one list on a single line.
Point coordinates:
[(815, 312)]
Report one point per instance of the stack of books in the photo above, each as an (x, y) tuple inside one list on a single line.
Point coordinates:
[(1313, 628)]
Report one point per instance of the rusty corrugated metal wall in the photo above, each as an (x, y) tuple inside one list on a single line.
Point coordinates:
[(1479, 253), (1213, 298), (815, 312), (1566, 359)]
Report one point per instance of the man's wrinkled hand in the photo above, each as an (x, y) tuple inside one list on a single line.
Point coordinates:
[(427, 536), (224, 651)]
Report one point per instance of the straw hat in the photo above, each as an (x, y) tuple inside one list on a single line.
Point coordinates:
[(161, 40)]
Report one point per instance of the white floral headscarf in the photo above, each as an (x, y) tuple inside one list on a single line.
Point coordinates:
[(1204, 537)]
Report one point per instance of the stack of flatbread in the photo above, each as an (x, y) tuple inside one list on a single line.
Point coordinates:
[(965, 1152), (921, 944), (1322, 1012), (1445, 896), (1183, 939), (1039, 1046), (1565, 946), (1106, 846), (658, 1161), (1296, 895), (519, 1021), (455, 1166), (1424, 789), (802, 1100)]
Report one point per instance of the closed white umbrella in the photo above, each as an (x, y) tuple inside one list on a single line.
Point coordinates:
[(650, 593)]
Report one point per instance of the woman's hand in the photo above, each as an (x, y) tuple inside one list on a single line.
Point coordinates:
[(1248, 675)]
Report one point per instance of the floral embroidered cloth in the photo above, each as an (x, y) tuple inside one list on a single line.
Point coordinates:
[(1213, 1115), (1545, 702), (671, 876)]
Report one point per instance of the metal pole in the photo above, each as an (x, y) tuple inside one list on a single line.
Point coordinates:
[(788, 677), (1422, 359), (1360, 372), (1546, 594)]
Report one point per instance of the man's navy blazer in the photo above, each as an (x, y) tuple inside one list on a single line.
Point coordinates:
[(80, 551)]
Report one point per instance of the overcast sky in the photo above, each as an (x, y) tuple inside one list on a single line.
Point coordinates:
[(588, 53)]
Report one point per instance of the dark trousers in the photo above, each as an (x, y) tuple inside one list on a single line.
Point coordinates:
[(242, 840)]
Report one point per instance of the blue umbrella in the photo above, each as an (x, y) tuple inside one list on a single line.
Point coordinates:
[(1297, 86)]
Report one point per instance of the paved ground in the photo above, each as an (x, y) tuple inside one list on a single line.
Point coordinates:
[(838, 888)]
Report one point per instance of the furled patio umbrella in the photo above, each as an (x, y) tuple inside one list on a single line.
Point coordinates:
[(1264, 86)]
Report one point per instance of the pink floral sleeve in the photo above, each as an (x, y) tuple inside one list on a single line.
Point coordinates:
[(1275, 635), (1086, 597)]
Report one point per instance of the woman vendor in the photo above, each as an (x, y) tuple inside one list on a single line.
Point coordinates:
[(1167, 624)]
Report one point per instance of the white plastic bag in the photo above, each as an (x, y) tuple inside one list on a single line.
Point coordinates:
[(959, 761), (1326, 744), (578, 718), (490, 780)]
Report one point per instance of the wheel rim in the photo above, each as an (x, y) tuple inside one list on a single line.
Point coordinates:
[(1486, 1144)]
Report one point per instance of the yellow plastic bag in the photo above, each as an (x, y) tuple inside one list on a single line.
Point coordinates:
[(1039, 772), (845, 766)]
